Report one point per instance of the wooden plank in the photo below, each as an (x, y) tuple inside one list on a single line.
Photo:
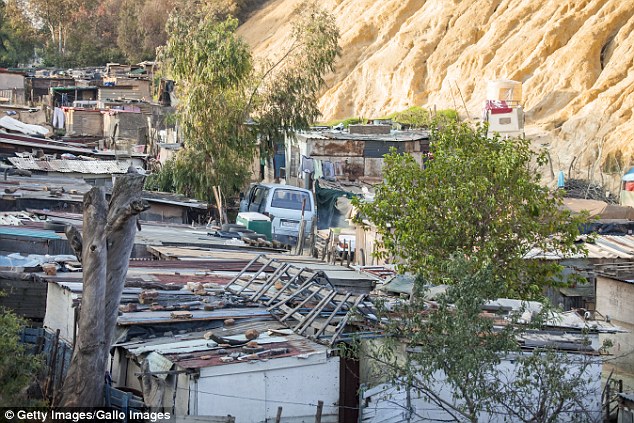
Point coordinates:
[(300, 305), (269, 282), (286, 285), (305, 286), (294, 314), (333, 314), (308, 319), (253, 277), (256, 258), (327, 329), (344, 321)]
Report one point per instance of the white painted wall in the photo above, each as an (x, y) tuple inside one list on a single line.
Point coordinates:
[(386, 404), (59, 311), (615, 298), (507, 124), (251, 392)]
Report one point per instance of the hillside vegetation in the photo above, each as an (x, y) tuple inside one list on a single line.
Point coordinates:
[(574, 57)]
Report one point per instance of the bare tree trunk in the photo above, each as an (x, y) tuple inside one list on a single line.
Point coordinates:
[(83, 386), (125, 204), (109, 236)]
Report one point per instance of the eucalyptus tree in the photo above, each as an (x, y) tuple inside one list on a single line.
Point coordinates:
[(229, 105)]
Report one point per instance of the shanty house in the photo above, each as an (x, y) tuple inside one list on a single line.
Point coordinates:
[(575, 338), (356, 154), (614, 298), (126, 89), (129, 125), (626, 408), (38, 89), (205, 343), (502, 110), (66, 96), (83, 122), (12, 88), (196, 373)]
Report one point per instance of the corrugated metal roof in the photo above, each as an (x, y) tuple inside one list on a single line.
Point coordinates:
[(193, 350), (604, 247), (156, 317), (70, 166), (393, 136)]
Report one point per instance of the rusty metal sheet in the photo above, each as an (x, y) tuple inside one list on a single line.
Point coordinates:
[(374, 168), (337, 148)]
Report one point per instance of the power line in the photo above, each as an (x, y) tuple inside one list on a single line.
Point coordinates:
[(575, 411)]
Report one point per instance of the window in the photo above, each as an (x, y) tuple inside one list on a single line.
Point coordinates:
[(505, 121), (258, 199), (290, 199)]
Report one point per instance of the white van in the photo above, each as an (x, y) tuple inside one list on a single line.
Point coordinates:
[(283, 205)]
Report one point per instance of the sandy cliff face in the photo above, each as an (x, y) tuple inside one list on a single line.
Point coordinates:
[(574, 57)]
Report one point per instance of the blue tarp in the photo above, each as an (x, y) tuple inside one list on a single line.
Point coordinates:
[(629, 175), (31, 233)]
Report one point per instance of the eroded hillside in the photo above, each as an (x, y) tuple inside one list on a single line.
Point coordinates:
[(575, 58)]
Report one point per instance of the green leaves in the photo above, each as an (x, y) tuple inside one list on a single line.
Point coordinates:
[(478, 198), (17, 367), (288, 88), (212, 69), (468, 218), (220, 88)]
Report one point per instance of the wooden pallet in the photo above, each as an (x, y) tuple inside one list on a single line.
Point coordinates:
[(300, 298)]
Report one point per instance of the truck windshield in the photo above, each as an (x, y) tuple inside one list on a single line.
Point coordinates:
[(290, 199)]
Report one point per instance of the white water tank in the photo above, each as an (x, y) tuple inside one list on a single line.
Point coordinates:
[(505, 90)]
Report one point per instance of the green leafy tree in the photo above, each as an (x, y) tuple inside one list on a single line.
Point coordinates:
[(141, 26), (418, 117), (129, 33), (289, 87), (72, 32), (228, 103), (469, 216), (478, 197), (92, 39), (18, 38), (17, 367), (212, 68), (57, 19), (467, 365)]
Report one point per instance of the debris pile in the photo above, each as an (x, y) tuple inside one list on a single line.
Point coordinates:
[(588, 190)]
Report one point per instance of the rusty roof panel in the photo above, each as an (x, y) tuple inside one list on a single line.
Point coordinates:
[(193, 350), (343, 148), (604, 247), (156, 317)]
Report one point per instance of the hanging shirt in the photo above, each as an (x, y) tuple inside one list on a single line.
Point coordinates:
[(308, 165), (318, 169), (58, 118), (328, 170)]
